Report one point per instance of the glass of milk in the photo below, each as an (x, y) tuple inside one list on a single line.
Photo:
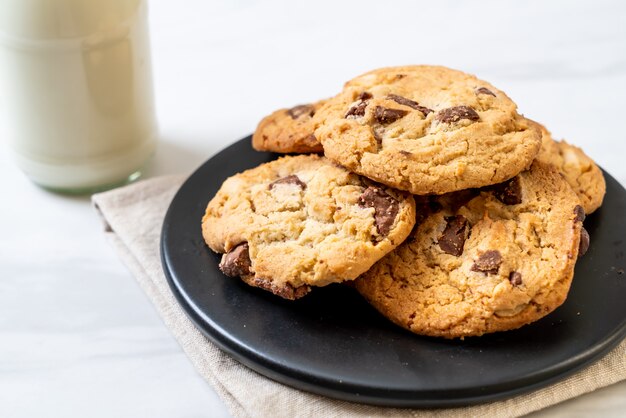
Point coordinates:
[(76, 100)]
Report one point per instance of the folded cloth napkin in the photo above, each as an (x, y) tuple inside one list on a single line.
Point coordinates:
[(133, 216)]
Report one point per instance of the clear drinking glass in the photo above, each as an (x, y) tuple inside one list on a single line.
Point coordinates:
[(76, 99)]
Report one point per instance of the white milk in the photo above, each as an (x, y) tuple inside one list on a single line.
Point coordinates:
[(76, 97)]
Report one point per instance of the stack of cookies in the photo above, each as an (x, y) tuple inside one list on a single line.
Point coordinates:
[(450, 212)]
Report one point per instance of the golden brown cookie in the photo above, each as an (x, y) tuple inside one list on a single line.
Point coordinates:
[(288, 131), (483, 260), (303, 221), (427, 130), (582, 174)]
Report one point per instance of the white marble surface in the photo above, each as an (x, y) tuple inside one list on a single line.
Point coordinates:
[(79, 338)]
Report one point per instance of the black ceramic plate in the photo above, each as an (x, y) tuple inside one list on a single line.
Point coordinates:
[(333, 343)]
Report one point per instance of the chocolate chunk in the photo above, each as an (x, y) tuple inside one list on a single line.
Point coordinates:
[(403, 100), (580, 213), (455, 114), (515, 277), (293, 179), (286, 291), (297, 111), (453, 237), (509, 192), (237, 261), (405, 153), (386, 116), (378, 132), (485, 90), (424, 110), (386, 208), (410, 103), (584, 242), (488, 263), (357, 110)]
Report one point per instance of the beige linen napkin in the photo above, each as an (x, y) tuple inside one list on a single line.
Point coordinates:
[(133, 216)]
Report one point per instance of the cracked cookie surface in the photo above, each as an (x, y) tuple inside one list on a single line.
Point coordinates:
[(303, 221), (580, 171), (482, 260), (426, 130), (288, 131)]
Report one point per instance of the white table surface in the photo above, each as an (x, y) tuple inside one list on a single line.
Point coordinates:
[(78, 337)]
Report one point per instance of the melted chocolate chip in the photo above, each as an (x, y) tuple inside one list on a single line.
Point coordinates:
[(237, 261), (455, 114), (357, 110), (515, 277), (509, 192), (584, 242), (488, 263), (485, 90), (580, 213), (386, 116), (293, 179), (385, 207), (453, 237), (364, 96), (410, 103), (298, 111)]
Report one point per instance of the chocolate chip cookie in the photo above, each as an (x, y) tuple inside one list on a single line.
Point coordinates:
[(303, 221), (288, 131), (582, 174), (426, 130), (483, 260)]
